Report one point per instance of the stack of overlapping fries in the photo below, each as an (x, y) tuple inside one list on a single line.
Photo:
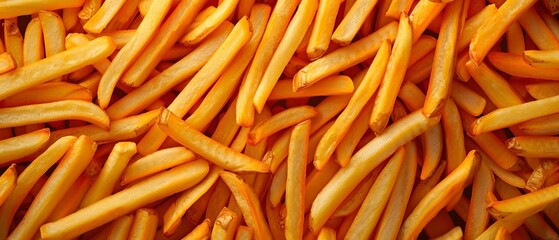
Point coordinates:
[(279, 119)]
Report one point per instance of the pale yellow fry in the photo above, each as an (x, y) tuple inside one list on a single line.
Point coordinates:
[(362, 94), (13, 40), (490, 32), (478, 218), (103, 16), (51, 67), (352, 21), (69, 169), (282, 120), (173, 215), (131, 50), (55, 111), (393, 77), (249, 205), (28, 178), (120, 130), (287, 46), (120, 228), (508, 116), (113, 168), (173, 27), (9, 9), (225, 225), (439, 196), (144, 225), (111, 207), (14, 148), (224, 9), (296, 175), (364, 161), (8, 181), (54, 32), (343, 58), (155, 162), (322, 29), (208, 148)]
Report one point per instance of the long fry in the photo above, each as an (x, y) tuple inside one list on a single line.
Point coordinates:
[(478, 218), (103, 16), (72, 198), (534, 146), (23, 145), (8, 181), (280, 121), (424, 12), (154, 163), (223, 10), (352, 21), (538, 31), (322, 29), (10, 9), (494, 85), (13, 40), (144, 225), (514, 65)]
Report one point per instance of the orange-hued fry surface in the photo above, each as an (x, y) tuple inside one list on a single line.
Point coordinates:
[(279, 119)]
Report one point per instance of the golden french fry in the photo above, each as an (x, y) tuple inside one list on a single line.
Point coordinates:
[(322, 29), (202, 231), (327, 233), (13, 40), (360, 125), (398, 6), (453, 135), (103, 16), (26, 7), (55, 111), (54, 32), (71, 167), (154, 163), (280, 121), (51, 67), (334, 85), (223, 10), (120, 228), (423, 46), (534, 146), (467, 99), (515, 39), (478, 218), (454, 234), (514, 65), (225, 224), (355, 199), (244, 233), (278, 184), (7, 63), (494, 85), (144, 225), (43, 94), (17, 147), (8, 181), (538, 31), (352, 21), (542, 58), (89, 8), (120, 203), (545, 168), (72, 198), (424, 12)]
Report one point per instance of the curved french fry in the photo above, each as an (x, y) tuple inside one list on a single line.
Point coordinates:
[(23, 145), (8, 181), (453, 135), (249, 205), (26, 7), (120, 203), (155, 162), (478, 218), (54, 111)]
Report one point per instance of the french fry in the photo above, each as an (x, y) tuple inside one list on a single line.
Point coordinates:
[(490, 32), (26, 7), (541, 126), (28, 178), (54, 32), (225, 225), (144, 225), (13, 40), (533, 146), (316, 180), (445, 52), (226, 130), (495, 86), (344, 57), (424, 12), (60, 110), (374, 153), (378, 196), (244, 233), (453, 135), (128, 53), (72, 198), (97, 23), (224, 9), (89, 8), (467, 99), (70, 17), (545, 168), (23, 145), (542, 58), (537, 30), (72, 165), (120, 203), (359, 127), (50, 67), (478, 218), (202, 231), (278, 185), (421, 69), (514, 65), (454, 234), (124, 16), (355, 199), (8, 181), (515, 39), (198, 143), (155, 162), (322, 29), (423, 46), (113, 168), (280, 121), (362, 94), (7, 63), (396, 7), (43, 94), (120, 227), (327, 233), (437, 198), (352, 21), (335, 85), (248, 203)]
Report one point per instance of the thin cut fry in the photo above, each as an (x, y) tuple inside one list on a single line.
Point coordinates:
[(9, 9), (355, 199), (120, 203), (352, 21), (423, 46), (359, 127), (22, 145), (103, 16), (280, 121), (8, 181), (55, 111)]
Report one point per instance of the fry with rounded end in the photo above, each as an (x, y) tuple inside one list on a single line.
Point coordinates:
[(208, 148), (478, 218), (10, 9), (8, 181), (111, 207), (282, 120), (499, 90), (327, 233), (352, 21), (364, 161), (454, 234), (467, 99), (542, 58), (514, 65), (55, 111), (120, 227), (13, 40), (224, 9), (54, 32), (225, 224), (200, 232), (453, 135), (69, 169), (103, 16), (322, 29), (249, 205), (335, 85), (23, 145), (155, 162), (144, 225)]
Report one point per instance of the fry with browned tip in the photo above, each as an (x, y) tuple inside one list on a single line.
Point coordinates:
[(208, 148)]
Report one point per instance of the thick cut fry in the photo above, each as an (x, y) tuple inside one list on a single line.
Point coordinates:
[(542, 58), (54, 32), (335, 85), (113, 168), (322, 29), (22, 145), (398, 6), (163, 41), (225, 224), (548, 125), (364, 161), (352, 21), (344, 57), (490, 32), (244, 233), (454, 136), (7, 63), (51, 67), (545, 168), (370, 211), (280, 121), (13, 40), (509, 116), (89, 8), (534, 146), (287, 46), (43, 94), (393, 77), (327, 233), (439, 196), (515, 39), (538, 31), (135, 101), (467, 99), (362, 95), (200, 144), (432, 150), (296, 171), (514, 65), (423, 46), (10, 9), (120, 228), (55, 111), (224, 9), (8, 181), (97, 23), (494, 85), (202, 231), (478, 218), (155, 162), (69, 169), (444, 61), (144, 225), (424, 12), (249, 205), (72, 198), (122, 129), (111, 207), (130, 51)]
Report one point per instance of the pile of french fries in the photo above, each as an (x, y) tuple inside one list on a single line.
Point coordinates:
[(279, 119)]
